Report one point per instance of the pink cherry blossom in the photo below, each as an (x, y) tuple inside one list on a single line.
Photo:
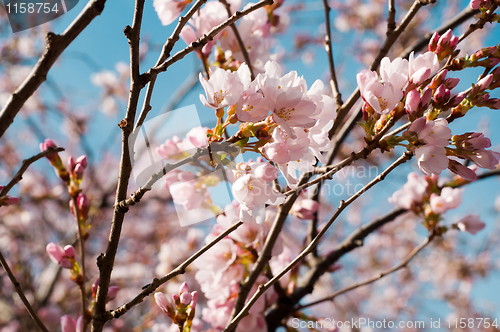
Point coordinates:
[(426, 60), (169, 10), (449, 198), (394, 72), (431, 159), (485, 159), (224, 88), (305, 208), (411, 192), (382, 97), (471, 224), (435, 132)]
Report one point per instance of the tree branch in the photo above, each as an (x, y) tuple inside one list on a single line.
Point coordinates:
[(56, 44), (25, 164), (20, 292), (379, 276), (106, 261), (328, 47)]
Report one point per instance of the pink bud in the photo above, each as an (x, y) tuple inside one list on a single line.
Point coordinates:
[(457, 99), (440, 94), (83, 205), (94, 287), (47, 144), (186, 298), (445, 38), (8, 200), (195, 299), (82, 160), (55, 252), (112, 291), (475, 4), (78, 171), (69, 251), (412, 101), (67, 324), (438, 79), (433, 42), (176, 299), (485, 82), (425, 100), (417, 125), (471, 224), (71, 163), (162, 301), (184, 288), (420, 76), (464, 172), (450, 83), (453, 42)]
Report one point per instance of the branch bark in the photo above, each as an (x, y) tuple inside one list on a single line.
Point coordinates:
[(56, 44)]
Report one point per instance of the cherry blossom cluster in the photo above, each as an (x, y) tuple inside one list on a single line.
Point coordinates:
[(254, 29), (290, 122), (424, 197), (183, 310), (230, 261)]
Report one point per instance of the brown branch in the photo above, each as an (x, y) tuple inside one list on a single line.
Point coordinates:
[(328, 47), (106, 261), (56, 44), (25, 164), (198, 44), (181, 269), (239, 40), (20, 292), (391, 18), (165, 53), (262, 288), (379, 276)]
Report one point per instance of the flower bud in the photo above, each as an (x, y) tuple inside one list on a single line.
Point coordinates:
[(450, 83), (176, 299), (112, 291), (433, 42), (162, 301), (186, 298), (71, 164), (184, 288), (420, 76), (69, 251), (438, 79), (412, 101), (82, 160)]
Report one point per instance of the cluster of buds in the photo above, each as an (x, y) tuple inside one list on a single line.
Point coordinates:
[(472, 146), (487, 57), (7, 200), (183, 310), (76, 169), (478, 96), (55, 160), (82, 209), (112, 291), (66, 259), (443, 45)]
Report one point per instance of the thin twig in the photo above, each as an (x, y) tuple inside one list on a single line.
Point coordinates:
[(165, 53), (81, 242), (181, 269), (56, 44), (26, 163), (239, 40), (379, 276), (262, 288), (328, 47), (20, 292)]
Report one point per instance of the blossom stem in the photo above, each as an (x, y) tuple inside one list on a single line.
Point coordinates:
[(81, 242)]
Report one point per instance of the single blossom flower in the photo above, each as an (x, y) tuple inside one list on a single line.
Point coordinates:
[(431, 159), (471, 224)]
